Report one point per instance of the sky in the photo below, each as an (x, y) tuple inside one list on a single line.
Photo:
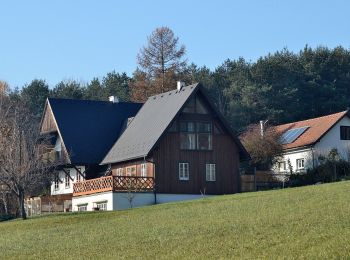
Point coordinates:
[(66, 39)]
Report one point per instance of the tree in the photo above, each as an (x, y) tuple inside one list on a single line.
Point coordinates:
[(23, 169), (94, 90), (264, 150), (35, 95), (162, 59), (116, 84), (68, 89)]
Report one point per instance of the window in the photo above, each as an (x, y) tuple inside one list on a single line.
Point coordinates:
[(56, 184), (143, 170), (79, 177), (131, 171), (300, 164), (210, 172), (196, 136), (344, 132), (101, 205), (282, 166), (67, 179), (120, 172), (184, 173), (203, 136), (188, 136), (82, 207), (195, 105)]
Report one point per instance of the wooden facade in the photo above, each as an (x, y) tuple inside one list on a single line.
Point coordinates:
[(165, 158)]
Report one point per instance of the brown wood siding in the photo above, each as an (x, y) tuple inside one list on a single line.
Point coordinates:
[(224, 154), (137, 164), (48, 123)]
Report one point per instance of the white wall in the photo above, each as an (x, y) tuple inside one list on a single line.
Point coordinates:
[(328, 142), (90, 200), (119, 200), (332, 140), (61, 185)]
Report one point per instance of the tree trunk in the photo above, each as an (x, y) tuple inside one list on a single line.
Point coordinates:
[(22, 210), (4, 200)]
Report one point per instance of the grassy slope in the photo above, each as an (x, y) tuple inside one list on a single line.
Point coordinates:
[(310, 222)]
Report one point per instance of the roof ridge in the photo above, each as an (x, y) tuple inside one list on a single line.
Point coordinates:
[(93, 100), (312, 119), (173, 90)]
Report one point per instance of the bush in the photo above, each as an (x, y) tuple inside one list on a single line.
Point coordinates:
[(4, 217)]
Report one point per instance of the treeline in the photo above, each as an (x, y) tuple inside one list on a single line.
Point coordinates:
[(282, 87)]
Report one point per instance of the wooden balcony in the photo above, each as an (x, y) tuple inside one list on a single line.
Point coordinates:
[(115, 184)]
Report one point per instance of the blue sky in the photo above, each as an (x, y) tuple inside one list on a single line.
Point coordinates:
[(55, 40)]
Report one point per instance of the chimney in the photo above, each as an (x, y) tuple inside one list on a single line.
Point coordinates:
[(180, 84), (113, 99)]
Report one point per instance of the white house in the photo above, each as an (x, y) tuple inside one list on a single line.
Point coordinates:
[(306, 142)]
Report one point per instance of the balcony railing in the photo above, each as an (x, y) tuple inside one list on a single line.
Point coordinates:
[(113, 183)]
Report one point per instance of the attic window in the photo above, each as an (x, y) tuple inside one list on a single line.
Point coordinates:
[(195, 105)]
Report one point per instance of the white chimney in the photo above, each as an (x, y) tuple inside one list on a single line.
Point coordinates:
[(113, 99), (180, 84)]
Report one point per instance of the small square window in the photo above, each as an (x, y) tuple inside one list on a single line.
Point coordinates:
[(300, 164), (82, 207), (344, 132)]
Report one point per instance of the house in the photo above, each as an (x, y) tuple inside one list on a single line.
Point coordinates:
[(81, 133), (177, 147), (306, 142)]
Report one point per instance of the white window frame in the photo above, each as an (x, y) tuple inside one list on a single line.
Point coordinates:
[(129, 170), (82, 207), (120, 171), (210, 172), (184, 171), (282, 163), (56, 185), (143, 169), (300, 163), (79, 177), (67, 179), (101, 205)]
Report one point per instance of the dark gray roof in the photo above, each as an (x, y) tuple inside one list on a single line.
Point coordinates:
[(89, 128), (148, 125)]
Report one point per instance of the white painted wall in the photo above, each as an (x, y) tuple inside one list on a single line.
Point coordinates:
[(328, 142), (119, 200), (332, 140), (90, 200), (62, 189)]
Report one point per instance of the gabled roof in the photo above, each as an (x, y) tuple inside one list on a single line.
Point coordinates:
[(317, 128), (151, 122), (89, 128)]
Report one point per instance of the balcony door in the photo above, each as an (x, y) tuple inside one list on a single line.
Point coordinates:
[(131, 171)]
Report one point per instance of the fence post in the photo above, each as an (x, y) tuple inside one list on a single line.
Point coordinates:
[(255, 179)]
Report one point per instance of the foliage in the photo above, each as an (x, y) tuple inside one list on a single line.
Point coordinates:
[(161, 61), (68, 89), (300, 223), (35, 95), (330, 168), (264, 150)]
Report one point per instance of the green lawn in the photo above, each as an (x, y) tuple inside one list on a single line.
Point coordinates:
[(308, 222)]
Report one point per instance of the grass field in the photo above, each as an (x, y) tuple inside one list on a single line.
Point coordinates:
[(308, 222)]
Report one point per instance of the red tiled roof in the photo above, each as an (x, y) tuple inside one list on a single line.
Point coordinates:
[(317, 128)]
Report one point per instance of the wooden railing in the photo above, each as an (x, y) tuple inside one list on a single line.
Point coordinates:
[(113, 183)]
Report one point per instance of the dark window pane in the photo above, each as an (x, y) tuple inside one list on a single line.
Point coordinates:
[(204, 141), (345, 132), (188, 141), (190, 106), (203, 127), (200, 108)]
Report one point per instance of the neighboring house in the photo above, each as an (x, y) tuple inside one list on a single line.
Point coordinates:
[(177, 147), (306, 142), (81, 134)]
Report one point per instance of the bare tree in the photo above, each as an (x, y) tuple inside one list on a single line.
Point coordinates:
[(23, 169), (162, 57), (264, 150)]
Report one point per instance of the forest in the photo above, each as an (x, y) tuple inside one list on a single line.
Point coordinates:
[(281, 87)]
